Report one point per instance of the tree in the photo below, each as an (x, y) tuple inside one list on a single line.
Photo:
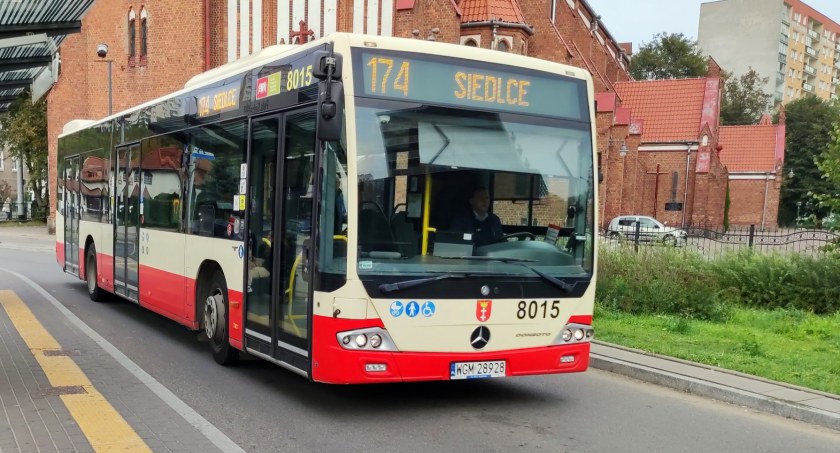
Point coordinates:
[(668, 56), (744, 100), (23, 130), (829, 165), (810, 125)]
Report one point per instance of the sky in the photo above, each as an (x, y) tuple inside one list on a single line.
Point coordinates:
[(637, 21)]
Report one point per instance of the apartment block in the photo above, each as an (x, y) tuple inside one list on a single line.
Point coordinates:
[(788, 41)]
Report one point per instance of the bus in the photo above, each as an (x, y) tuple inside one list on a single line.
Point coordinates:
[(298, 206)]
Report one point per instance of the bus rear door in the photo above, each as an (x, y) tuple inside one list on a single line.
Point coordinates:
[(72, 213), (127, 229)]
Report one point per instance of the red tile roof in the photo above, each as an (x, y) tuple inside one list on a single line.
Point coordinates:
[(670, 109), (486, 10), (748, 148)]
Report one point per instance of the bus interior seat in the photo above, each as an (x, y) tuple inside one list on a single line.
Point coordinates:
[(374, 229), (206, 219), (405, 237)]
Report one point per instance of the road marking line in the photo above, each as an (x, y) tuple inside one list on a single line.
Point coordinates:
[(213, 434), (103, 426)]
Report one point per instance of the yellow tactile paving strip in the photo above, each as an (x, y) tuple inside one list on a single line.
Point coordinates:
[(103, 426)]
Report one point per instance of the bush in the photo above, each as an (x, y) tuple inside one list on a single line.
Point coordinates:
[(663, 281), (660, 281), (792, 281)]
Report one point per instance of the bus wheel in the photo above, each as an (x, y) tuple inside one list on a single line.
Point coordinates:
[(216, 320), (96, 293)]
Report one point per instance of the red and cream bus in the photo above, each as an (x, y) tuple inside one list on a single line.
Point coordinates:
[(299, 205)]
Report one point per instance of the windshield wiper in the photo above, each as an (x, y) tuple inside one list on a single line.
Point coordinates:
[(396, 286), (566, 287)]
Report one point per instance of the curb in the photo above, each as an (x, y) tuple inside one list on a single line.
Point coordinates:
[(720, 392)]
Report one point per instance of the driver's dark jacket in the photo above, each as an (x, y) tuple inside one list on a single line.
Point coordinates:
[(483, 232)]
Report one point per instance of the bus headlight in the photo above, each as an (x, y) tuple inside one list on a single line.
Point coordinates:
[(370, 339), (575, 333), (361, 340), (567, 335)]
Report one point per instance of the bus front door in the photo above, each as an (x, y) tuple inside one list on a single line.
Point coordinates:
[(72, 212), (278, 298), (127, 224)]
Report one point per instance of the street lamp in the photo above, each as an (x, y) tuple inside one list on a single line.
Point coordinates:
[(798, 205), (102, 52)]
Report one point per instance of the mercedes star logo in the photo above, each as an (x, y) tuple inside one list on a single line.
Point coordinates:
[(480, 337)]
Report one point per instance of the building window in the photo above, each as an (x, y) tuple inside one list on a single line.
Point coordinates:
[(144, 35), (470, 43), (147, 177), (503, 46), (14, 164), (132, 33)]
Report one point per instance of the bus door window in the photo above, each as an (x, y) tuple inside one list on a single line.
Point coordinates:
[(296, 233), (260, 241), (332, 249)]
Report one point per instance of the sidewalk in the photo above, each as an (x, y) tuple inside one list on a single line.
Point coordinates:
[(65, 388), (786, 400), (31, 238)]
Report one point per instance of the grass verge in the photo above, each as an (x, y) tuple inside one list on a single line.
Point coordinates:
[(790, 346)]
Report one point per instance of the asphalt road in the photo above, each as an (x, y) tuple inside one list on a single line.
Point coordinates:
[(264, 408)]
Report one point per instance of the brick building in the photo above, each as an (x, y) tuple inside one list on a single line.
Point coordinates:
[(672, 170), (754, 156), (146, 63), (154, 47)]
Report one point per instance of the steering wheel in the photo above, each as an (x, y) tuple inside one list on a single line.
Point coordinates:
[(521, 234)]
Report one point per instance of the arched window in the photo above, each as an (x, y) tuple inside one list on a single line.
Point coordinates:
[(470, 43), (503, 45), (132, 33), (144, 33)]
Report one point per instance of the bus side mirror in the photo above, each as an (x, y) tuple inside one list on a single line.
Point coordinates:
[(323, 60), (330, 110)]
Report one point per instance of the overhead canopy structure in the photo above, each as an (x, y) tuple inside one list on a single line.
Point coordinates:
[(30, 33)]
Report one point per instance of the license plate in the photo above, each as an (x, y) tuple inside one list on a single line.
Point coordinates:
[(475, 370)]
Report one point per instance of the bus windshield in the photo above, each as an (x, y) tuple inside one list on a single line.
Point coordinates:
[(427, 174)]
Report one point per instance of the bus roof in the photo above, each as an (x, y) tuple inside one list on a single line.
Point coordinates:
[(274, 52)]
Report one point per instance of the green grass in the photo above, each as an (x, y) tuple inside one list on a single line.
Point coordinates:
[(790, 346)]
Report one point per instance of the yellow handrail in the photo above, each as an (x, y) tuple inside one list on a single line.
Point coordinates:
[(291, 291), (427, 196)]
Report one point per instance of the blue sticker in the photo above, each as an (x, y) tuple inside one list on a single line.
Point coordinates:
[(428, 308), (241, 251), (396, 309), (412, 309)]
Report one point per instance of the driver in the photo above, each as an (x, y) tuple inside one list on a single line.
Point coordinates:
[(484, 226)]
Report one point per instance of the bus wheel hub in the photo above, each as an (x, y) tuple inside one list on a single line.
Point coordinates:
[(211, 314)]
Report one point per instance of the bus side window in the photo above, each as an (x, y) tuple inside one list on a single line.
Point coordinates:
[(216, 156)]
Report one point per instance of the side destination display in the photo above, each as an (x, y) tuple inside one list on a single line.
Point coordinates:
[(440, 80)]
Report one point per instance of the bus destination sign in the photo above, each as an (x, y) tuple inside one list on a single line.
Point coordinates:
[(218, 100), (441, 80)]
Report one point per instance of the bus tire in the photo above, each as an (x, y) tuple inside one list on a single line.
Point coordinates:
[(95, 293), (215, 311)]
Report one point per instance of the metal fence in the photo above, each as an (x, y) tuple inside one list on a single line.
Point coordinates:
[(713, 243)]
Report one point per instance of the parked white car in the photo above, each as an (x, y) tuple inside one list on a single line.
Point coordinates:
[(650, 230)]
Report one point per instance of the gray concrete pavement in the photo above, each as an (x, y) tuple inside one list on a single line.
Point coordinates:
[(777, 398)]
